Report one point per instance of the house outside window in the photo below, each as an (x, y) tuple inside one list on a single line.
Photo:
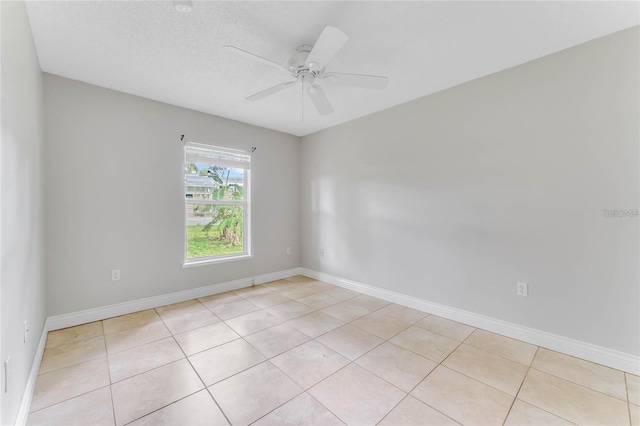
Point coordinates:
[(217, 204)]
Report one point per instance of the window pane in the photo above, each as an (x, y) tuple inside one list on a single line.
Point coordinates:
[(205, 182), (214, 230)]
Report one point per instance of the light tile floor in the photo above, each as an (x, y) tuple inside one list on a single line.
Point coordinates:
[(299, 351)]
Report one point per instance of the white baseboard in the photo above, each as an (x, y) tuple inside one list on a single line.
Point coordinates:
[(25, 403), (96, 314), (598, 354), (274, 276)]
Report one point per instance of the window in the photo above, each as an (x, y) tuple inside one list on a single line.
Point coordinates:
[(217, 201)]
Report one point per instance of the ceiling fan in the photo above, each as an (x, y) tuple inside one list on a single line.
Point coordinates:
[(307, 68)]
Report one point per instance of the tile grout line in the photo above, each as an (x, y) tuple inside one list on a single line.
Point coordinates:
[(151, 369), (75, 363), (106, 351), (137, 326), (217, 405), (408, 394), (496, 354), (322, 405), (580, 385), (205, 388), (624, 374), (478, 380), (284, 403), (146, 371), (626, 388), (515, 398), (133, 326), (567, 355), (240, 371), (529, 368), (113, 406), (434, 369), (164, 406), (72, 365), (69, 399)]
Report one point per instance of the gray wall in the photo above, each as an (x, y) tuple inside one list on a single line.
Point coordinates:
[(21, 246), (115, 196), (455, 197)]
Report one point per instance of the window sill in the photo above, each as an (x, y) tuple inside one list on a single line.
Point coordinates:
[(204, 262)]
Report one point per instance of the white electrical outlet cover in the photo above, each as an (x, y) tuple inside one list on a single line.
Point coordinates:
[(522, 289)]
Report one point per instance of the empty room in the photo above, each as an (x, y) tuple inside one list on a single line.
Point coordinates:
[(319, 212)]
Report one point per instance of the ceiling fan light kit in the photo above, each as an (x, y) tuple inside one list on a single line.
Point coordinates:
[(307, 67)]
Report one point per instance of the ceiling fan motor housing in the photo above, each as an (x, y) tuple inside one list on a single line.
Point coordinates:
[(298, 61)]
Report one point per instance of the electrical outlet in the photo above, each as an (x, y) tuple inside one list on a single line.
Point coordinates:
[(522, 289), (288, 250), (321, 252), (7, 373), (26, 331), (115, 275)]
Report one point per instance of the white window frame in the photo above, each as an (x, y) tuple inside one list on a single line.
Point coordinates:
[(246, 203)]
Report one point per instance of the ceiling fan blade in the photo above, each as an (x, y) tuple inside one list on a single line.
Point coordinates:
[(255, 57), (329, 43), (270, 91), (320, 100), (375, 82)]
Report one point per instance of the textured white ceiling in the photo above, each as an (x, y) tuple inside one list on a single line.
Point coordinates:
[(147, 48)]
